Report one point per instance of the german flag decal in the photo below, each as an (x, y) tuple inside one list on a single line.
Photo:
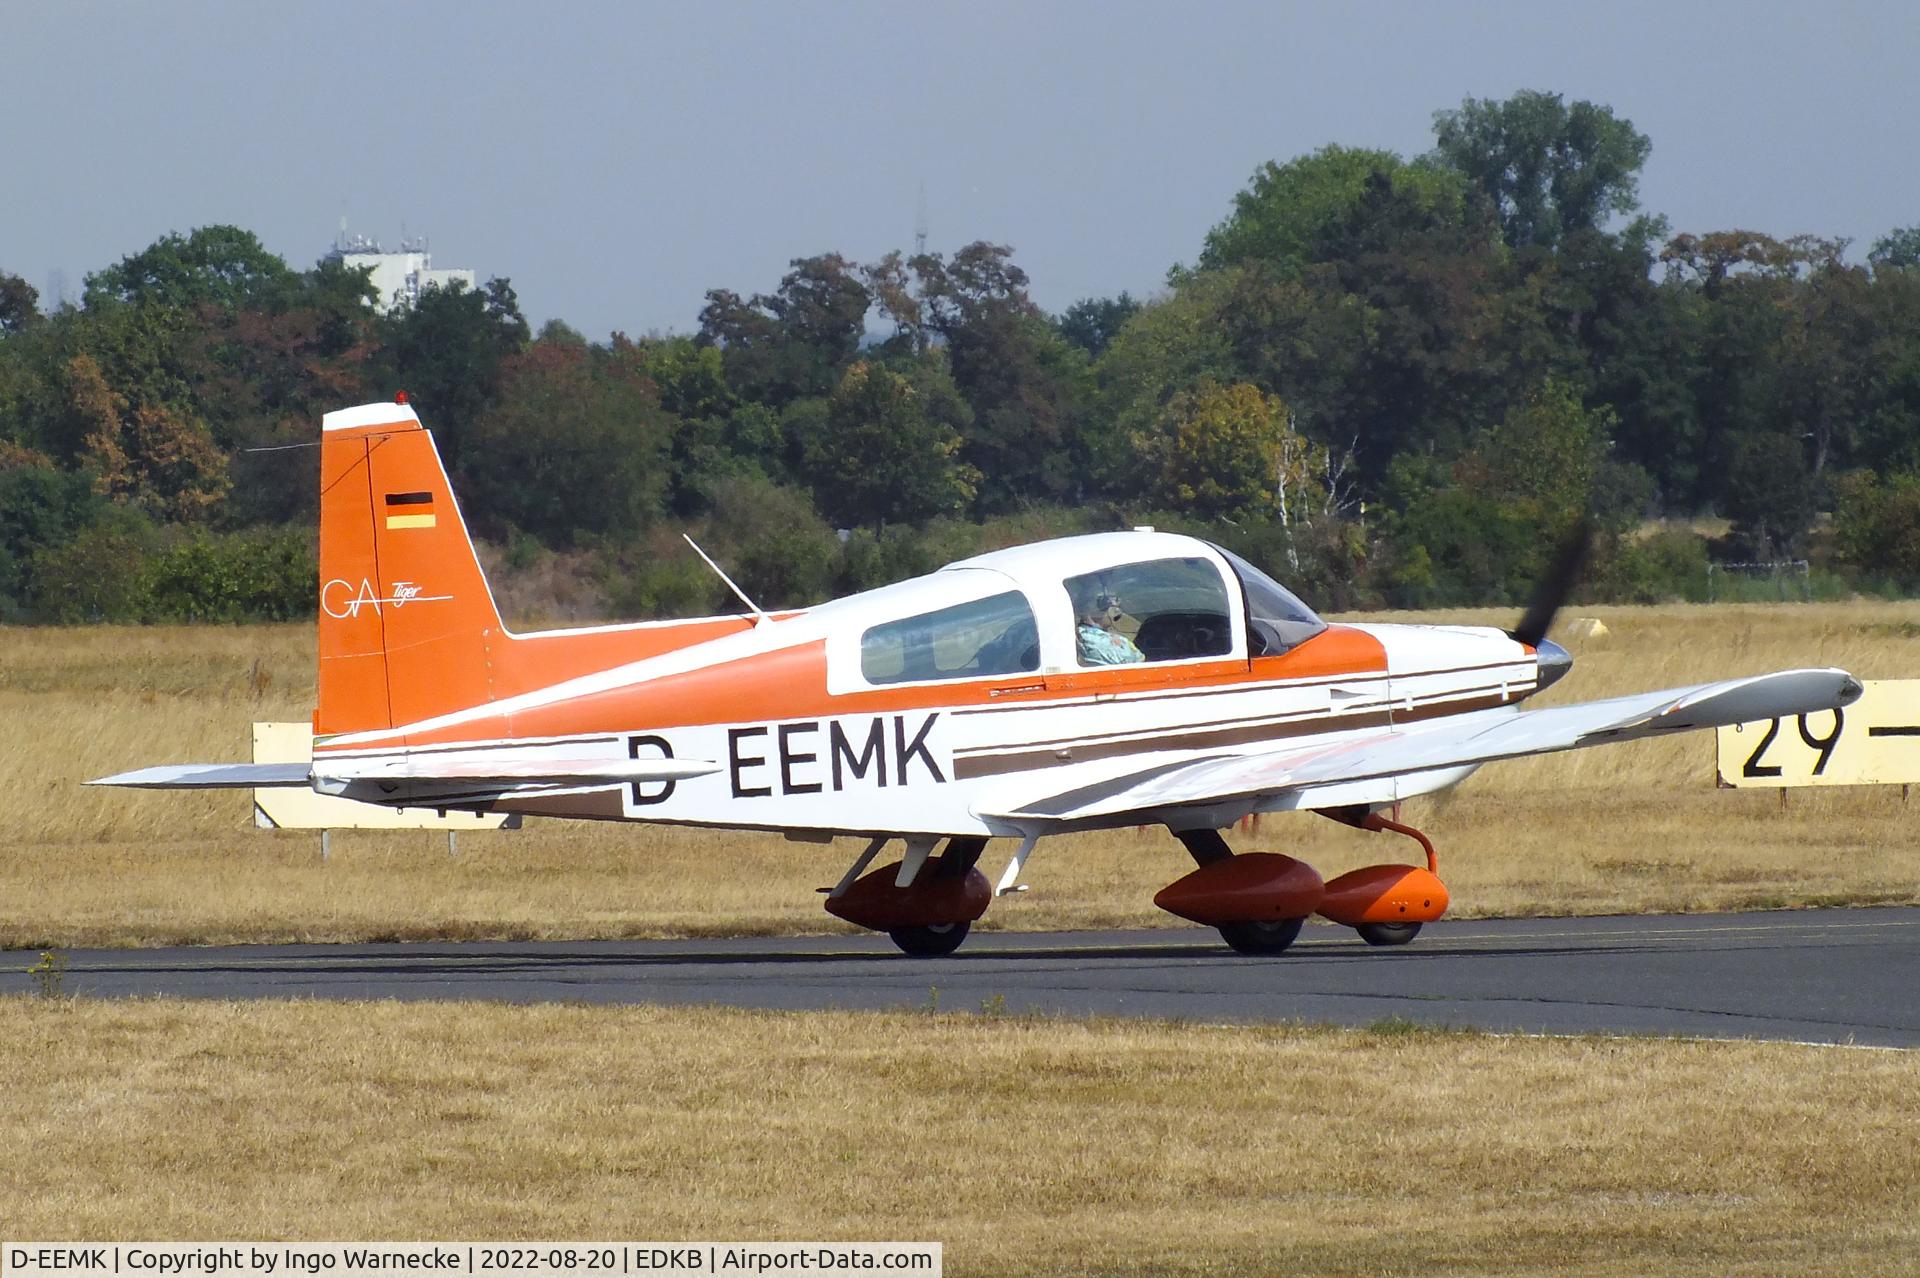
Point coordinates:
[(410, 510)]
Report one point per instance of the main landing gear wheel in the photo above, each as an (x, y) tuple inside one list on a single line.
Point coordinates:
[(1387, 933), (933, 941), (1263, 937)]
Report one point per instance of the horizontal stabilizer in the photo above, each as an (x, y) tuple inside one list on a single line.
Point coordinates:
[(510, 773), (211, 776), (1461, 741)]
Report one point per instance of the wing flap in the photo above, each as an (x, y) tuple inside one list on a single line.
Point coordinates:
[(1469, 739)]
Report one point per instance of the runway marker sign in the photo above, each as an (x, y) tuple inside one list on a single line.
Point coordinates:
[(1874, 741)]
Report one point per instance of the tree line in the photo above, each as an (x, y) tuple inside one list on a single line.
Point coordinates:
[(1393, 381)]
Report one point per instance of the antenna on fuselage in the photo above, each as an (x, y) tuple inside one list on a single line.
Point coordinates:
[(758, 614)]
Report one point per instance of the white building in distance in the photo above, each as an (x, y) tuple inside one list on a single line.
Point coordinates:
[(398, 278)]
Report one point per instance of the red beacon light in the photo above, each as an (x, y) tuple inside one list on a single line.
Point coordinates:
[(399, 397)]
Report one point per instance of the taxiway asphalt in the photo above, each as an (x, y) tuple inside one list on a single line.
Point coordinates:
[(1835, 976)]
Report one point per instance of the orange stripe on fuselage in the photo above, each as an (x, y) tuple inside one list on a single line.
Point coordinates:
[(791, 683)]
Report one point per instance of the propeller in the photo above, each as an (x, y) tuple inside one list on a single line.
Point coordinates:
[(1569, 558)]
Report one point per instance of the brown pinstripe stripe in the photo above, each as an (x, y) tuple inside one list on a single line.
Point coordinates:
[(1514, 694), (1028, 760)]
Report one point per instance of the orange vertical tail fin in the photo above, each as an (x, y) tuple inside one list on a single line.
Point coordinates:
[(406, 617), (408, 628)]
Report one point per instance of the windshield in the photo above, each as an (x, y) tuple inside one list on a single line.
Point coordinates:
[(1276, 619)]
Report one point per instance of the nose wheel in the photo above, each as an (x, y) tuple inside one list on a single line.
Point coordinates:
[(1258, 900), (1385, 904)]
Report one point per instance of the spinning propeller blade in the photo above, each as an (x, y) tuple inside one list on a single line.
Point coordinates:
[(1569, 558)]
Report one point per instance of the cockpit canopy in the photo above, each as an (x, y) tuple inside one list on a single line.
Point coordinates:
[(1074, 604)]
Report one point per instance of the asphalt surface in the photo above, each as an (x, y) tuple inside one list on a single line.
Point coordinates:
[(1831, 976)]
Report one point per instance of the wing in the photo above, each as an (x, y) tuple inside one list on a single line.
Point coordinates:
[(1464, 741)]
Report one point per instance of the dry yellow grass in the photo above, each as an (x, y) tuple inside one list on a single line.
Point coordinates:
[(1630, 828), (1025, 1146)]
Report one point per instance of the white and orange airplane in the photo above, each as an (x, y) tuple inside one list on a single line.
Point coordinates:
[(1116, 679)]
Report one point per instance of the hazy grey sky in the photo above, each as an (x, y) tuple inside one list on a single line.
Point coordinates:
[(616, 160)]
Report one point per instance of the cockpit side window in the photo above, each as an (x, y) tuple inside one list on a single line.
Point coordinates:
[(992, 636), (1161, 610), (1276, 619)]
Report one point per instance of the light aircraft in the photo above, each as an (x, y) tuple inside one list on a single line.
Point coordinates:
[(1116, 679)]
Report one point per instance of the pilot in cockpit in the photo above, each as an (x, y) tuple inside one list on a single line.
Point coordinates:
[(1100, 643)]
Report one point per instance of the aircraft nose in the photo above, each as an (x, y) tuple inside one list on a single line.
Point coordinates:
[(1554, 661)]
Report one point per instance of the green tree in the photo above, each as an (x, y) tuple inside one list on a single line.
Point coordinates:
[(707, 449), (263, 379), (793, 343), (1548, 166), (1769, 496), (213, 265), (888, 450), (890, 283), (150, 455), (773, 542), (1415, 331), (1218, 451), (1023, 382), (1826, 380), (1295, 213), (449, 352), (1548, 451), (1876, 523), (40, 507), (99, 575), (1092, 323), (1887, 436), (1897, 250), (1168, 346), (575, 448), (1635, 348), (19, 304)]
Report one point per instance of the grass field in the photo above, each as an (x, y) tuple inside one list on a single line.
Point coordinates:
[(1026, 1146), (1629, 828)]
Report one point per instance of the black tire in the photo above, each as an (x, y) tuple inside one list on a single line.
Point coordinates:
[(930, 942), (1387, 933), (1265, 937)]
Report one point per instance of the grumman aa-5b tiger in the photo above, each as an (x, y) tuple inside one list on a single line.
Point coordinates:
[(1118, 679)]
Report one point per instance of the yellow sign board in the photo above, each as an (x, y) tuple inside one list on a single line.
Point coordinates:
[(293, 808), (1874, 741)]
